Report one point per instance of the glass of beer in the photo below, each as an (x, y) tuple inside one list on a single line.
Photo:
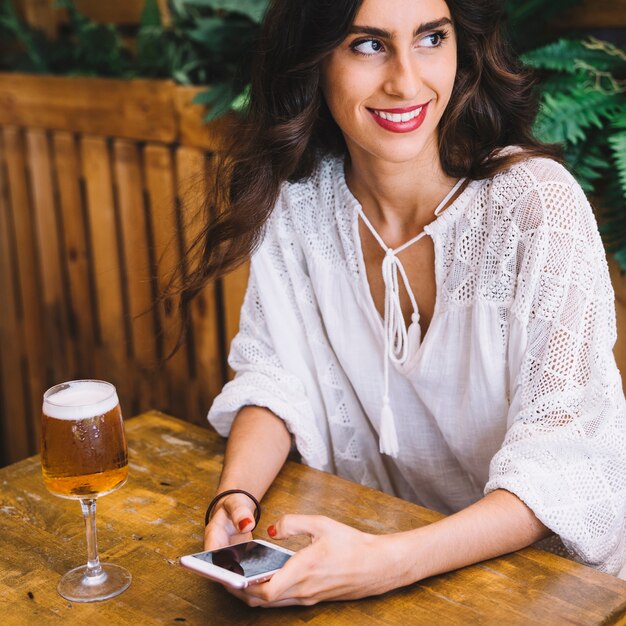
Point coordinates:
[(83, 457)]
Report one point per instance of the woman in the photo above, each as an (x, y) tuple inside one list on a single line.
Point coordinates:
[(429, 310)]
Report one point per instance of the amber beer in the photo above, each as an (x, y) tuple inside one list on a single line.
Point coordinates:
[(83, 446)]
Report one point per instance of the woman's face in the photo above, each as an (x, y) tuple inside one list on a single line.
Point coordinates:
[(388, 83)]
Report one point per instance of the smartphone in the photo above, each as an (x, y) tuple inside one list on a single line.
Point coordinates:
[(240, 564)]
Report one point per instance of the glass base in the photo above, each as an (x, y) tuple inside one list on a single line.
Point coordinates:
[(78, 587)]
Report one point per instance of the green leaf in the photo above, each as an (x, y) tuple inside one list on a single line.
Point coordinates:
[(527, 10), (566, 55), (588, 161), (617, 142), (241, 102), (567, 116), (226, 38), (151, 15), (182, 78), (218, 99), (204, 97), (618, 120), (254, 9), (32, 41), (557, 82)]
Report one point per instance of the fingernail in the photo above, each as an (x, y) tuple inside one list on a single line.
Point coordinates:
[(271, 530), (244, 522)]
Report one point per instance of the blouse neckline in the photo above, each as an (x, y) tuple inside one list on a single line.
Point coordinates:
[(440, 224), (364, 294)]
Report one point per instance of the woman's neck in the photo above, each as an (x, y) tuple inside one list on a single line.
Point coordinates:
[(399, 198)]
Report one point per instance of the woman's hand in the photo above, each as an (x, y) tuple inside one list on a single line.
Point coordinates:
[(232, 522), (341, 563)]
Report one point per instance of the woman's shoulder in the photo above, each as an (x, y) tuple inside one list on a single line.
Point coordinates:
[(539, 191), (305, 203), (324, 171), (531, 171)]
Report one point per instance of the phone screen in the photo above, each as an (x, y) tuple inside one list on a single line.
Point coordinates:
[(246, 559)]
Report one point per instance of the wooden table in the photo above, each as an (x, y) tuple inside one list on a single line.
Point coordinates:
[(157, 517)]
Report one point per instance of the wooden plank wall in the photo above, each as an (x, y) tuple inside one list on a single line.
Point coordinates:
[(589, 14), (95, 214)]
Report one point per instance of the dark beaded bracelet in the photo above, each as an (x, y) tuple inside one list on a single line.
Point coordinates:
[(223, 494)]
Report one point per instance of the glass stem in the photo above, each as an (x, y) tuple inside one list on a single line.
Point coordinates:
[(89, 514)]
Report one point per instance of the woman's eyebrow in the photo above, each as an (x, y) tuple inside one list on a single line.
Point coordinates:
[(385, 34)]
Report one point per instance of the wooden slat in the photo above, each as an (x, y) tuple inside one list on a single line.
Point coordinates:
[(75, 254), (136, 109), (14, 422), (32, 338), (41, 15), (619, 285), (161, 193), (59, 348), (233, 290), (596, 14), (4, 453), (111, 11), (193, 130), (112, 353), (135, 242), (191, 173), (148, 110)]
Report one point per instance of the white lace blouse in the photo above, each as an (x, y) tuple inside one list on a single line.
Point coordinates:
[(514, 386)]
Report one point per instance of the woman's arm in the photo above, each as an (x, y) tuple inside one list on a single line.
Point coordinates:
[(497, 524), (345, 564), (257, 448)]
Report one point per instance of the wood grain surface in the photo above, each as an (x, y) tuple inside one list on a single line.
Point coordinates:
[(93, 225), (597, 14), (140, 109), (157, 517), (588, 14)]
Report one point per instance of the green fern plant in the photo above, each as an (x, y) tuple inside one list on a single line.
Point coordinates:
[(207, 42), (583, 107), (86, 48)]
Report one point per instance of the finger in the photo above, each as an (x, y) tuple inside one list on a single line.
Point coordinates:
[(289, 602), (290, 525), (244, 597), (220, 532), (282, 583), (240, 509), (216, 540)]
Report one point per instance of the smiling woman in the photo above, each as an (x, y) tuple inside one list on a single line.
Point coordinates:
[(429, 310), (401, 79)]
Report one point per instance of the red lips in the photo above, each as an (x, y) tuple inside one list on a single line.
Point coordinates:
[(401, 127)]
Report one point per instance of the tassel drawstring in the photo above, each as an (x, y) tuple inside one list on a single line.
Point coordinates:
[(395, 332)]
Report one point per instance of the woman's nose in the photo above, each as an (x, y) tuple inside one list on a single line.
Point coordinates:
[(403, 78)]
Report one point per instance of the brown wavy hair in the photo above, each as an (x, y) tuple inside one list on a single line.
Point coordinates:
[(288, 126)]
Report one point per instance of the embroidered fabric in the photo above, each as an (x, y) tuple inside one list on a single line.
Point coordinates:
[(396, 333), (513, 387)]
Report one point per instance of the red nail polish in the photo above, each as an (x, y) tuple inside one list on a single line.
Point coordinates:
[(244, 522), (271, 530)]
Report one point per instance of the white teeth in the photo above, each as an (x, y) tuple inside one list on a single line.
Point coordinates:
[(398, 117)]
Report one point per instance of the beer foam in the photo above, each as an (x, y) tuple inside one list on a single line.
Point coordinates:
[(80, 399)]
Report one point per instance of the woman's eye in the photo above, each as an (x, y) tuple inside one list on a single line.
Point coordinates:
[(433, 40), (367, 47)]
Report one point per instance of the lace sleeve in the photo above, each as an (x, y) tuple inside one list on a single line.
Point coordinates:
[(269, 355), (564, 453)]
